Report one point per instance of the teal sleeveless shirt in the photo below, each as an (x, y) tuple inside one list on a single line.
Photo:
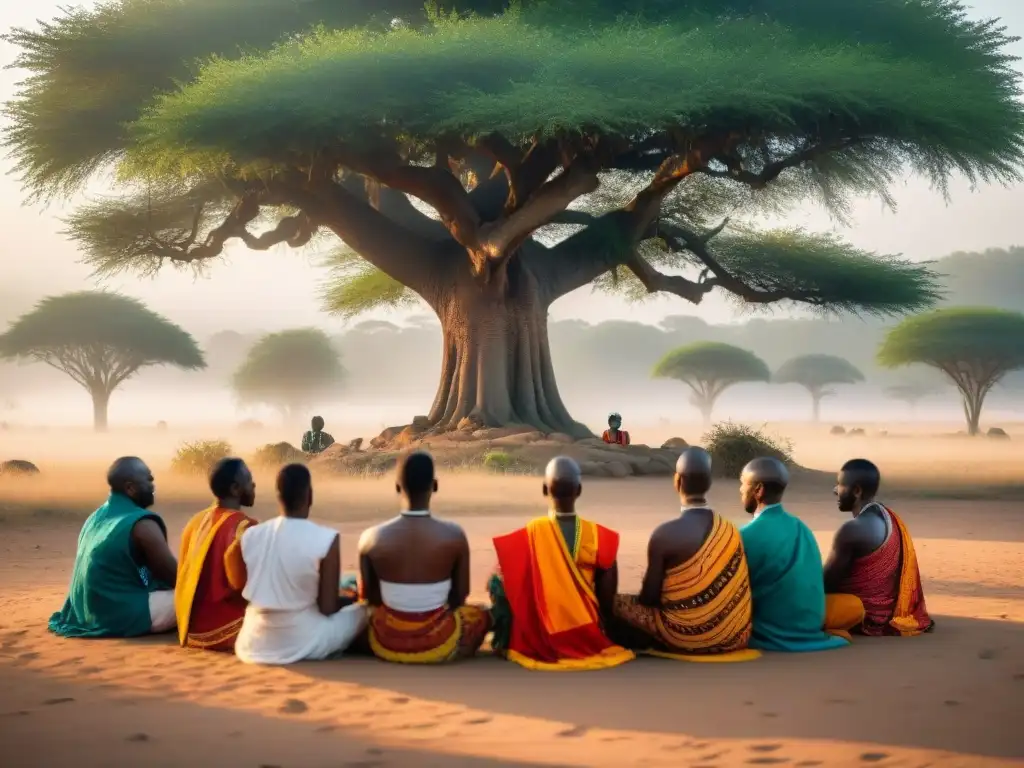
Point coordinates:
[(109, 592)]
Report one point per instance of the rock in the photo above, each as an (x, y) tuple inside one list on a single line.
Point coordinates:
[(617, 469), (519, 438), (675, 443), (421, 422), (386, 436), (856, 432), (997, 432), (496, 433), (18, 468), (561, 437), (837, 430), (596, 442), (355, 445), (591, 469), (469, 424)]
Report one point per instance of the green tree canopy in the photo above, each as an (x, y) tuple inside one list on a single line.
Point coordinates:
[(709, 368), (633, 151), (100, 340), (816, 374), (289, 371), (974, 347)]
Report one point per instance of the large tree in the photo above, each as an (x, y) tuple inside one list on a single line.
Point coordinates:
[(817, 374), (975, 348), (490, 164), (290, 371), (100, 340), (709, 368), (911, 393)]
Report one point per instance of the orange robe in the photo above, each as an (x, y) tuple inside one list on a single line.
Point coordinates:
[(622, 438), (555, 615), (211, 575), (888, 583)]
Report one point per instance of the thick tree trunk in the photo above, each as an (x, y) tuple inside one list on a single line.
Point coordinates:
[(496, 367), (100, 403), (815, 406), (972, 411)]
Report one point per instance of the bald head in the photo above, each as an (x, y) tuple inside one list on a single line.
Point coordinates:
[(562, 483), (857, 485), (763, 483), (129, 476), (693, 475)]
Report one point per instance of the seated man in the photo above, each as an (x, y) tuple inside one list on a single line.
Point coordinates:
[(873, 561), (122, 583), (415, 577), (211, 572), (695, 602), (316, 440), (293, 565), (785, 568), (556, 578), (615, 434)]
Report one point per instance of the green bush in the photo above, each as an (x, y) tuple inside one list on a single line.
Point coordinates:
[(499, 461), (733, 445), (277, 454), (199, 457)]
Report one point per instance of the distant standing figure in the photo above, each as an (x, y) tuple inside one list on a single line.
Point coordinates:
[(122, 583), (873, 562), (615, 434), (211, 572), (415, 577), (293, 566), (316, 440)]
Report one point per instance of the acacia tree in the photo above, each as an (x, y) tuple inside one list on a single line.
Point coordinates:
[(911, 393), (709, 368), (542, 155), (816, 374), (975, 348), (290, 371), (100, 340)]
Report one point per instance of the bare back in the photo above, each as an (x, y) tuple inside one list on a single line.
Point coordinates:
[(415, 550), (673, 543)]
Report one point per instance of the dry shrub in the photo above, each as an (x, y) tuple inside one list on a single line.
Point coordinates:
[(199, 457), (274, 455), (732, 446)]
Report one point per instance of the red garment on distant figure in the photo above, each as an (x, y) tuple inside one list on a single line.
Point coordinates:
[(622, 438), (888, 583)]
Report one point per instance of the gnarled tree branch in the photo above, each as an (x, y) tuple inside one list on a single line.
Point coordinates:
[(771, 171)]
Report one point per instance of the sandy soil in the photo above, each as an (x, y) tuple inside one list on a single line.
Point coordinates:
[(951, 698)]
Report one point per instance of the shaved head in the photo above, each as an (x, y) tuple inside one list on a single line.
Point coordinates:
[(563, 483), (763, 483), (129, 476), (857, 485), (693, 474)]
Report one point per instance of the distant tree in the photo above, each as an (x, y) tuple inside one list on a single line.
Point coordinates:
[(100, 340), (709, 368), (974, 347), (290, 370), (816, 374), (911, 393)]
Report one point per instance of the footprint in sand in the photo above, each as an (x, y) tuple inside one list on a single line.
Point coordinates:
[(951, 703), (764, 747), (478, 721), (873, 757), (808, 763), (19, 713), (61, 700), (400, 700), (138, 738), (293, 707), (574, 733), (30, 656), (767, 760)]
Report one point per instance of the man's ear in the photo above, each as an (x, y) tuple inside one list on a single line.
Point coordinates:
[(398, 488), (435, 486), (677, 482), (545, 489)]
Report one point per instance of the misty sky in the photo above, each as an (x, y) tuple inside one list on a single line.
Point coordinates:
[(268, 291)]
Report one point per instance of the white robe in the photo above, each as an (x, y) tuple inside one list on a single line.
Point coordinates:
[(282, 622)]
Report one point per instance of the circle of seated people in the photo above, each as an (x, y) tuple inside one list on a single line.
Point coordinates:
[(273, 592)]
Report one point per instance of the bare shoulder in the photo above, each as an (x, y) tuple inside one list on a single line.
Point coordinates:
[(368, 538), (853, 532), (451, 529)]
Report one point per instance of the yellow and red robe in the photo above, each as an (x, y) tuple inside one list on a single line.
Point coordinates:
[(548, 588), (887, 583), (211, 575), (706, 613), (427, 638)]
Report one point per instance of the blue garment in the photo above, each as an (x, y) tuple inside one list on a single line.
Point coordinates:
[(786, 584), (109, 592)]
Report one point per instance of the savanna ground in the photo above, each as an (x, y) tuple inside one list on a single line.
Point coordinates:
[(950, 698)]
